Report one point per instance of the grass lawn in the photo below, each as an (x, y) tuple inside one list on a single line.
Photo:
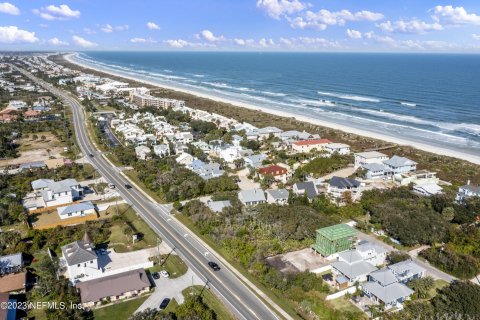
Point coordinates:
[(50, 142), (211, 300), (172, 264), (133, 176), (342, 304), (119, 311), (119, 241)]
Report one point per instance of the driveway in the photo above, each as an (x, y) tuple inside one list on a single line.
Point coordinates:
[(170, 288), (245, 183)]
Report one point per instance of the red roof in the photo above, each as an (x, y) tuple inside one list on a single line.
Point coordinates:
[(311, 142), (274, 170)]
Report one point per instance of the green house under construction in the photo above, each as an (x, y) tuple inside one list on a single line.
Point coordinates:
[(333, 239)]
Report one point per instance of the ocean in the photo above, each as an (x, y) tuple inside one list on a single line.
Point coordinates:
[(433, 99)]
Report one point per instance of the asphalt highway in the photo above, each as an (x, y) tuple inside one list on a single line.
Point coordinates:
[(238, 296)]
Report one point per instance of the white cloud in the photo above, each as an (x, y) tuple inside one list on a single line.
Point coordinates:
[(9, 8), (179, 43), (323, 18), (476, 36), (89, 31), (278, 8), (152, 26), (57, 42), (142, 40), (244, 42), (354, 34), (448, 15), (265, 43), (84, 43), (11, 34), (62, 12), (108, 28), (412, 26), (209, 36), (309, 43)]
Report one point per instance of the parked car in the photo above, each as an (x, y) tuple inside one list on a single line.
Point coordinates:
[(213, 265), (164, 273), (164, 303), (156, 275)]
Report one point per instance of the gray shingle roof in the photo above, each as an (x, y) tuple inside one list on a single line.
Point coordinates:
[(41, 183), (10, 262), (384, 276), (350, 256), (407, 267), (252, 195), (370, 154), (343, 183), (307, 187), (388, 293), (397, 161), (55, 186), (82, 206), (78, 252), (353, 270), (278, 194), (374, 167)]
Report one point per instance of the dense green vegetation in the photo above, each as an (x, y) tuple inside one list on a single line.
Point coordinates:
[(321, 166), (459, 300)]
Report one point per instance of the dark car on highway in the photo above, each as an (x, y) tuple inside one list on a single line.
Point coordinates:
[(164, 303), (213, 265), (128, 186)]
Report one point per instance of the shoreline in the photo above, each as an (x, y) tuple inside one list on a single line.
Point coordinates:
[(364, 133)]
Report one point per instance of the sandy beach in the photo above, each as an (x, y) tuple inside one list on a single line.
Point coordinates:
[(425, 147)]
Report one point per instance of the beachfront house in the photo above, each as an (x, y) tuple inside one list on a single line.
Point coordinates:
[(363, 158), (252, 197), (374, 170), (420, 177), (306, 146), (396, 165), (467, 191), (339, 148)]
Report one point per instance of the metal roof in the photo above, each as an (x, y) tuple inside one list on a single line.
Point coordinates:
[(82, 206)]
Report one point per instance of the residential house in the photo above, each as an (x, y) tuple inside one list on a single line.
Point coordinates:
[(218, 206), (363, 158), (374, 170), (207, 170), (32, 165), (78, 257), (350, 268), (372, 252), (254, 161), (236, 140), (428, 189), (11, 263), (263, 133), (338, 187), (306, 146), (277, 196), (396, 165), (13, 282), (142, 152), (339, 148), (229, 153), (387, 285), (307, 188), (185, 158), (161, 150), (55, 193), (252, 197), (77, 210), (420, 177), (114, 287), (467, 191), (277, 172)]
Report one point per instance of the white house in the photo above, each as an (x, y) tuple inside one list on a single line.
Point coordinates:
[(467, 191), (79, 257), (142, 152), (363, 158), (161, 150), (277, 196), (398, 164), (55, 193), (350, 268), (252, 197), (185, 158), (340, 148), (372, 252), (76, 210), (230, 153)]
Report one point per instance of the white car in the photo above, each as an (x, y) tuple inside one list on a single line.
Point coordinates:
[(164, 274)]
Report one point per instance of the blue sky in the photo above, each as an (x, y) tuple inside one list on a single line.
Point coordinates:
[(348, 25)]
